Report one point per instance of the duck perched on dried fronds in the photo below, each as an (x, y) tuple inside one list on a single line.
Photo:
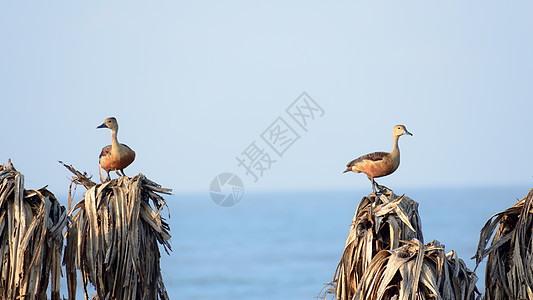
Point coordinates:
[(379, 164), (117, 156)]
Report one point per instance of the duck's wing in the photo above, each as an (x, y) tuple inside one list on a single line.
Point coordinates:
[(128, 156), (127, 147), (375, 156), (105, 151)]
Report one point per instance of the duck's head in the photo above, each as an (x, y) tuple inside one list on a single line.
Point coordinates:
[(110, 123), (400, 130)]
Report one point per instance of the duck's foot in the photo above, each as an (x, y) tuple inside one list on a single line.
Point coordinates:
[(120, 173), (382, 189)]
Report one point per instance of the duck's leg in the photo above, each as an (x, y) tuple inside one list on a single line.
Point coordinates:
[(118, 173), (373, 185), (122, 171), (101, 173), (379, 187), (108, 176)]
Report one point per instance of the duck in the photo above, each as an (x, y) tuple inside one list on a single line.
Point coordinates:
[(379, 164), (115, 157)]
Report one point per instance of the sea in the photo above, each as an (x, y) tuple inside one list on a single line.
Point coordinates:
[(287, 244)]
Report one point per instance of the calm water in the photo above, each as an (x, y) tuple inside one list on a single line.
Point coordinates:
[(287, 245)]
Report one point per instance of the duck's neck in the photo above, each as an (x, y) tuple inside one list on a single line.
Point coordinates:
[(395, 149), (114, 140)]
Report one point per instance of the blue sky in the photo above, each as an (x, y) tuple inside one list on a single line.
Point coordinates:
[(193, 84)]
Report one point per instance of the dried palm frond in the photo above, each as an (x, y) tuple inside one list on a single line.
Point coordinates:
[(31, 222), (114, 238), (380, 223), (509, 273), (417, 271)]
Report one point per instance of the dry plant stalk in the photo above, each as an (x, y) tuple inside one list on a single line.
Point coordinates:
[(31, 224), (385, 257), (114, 238), (509, 273), (417, 271), (379, 223)]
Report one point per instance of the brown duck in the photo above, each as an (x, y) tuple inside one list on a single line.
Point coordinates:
[(379, 164), (115, 157)]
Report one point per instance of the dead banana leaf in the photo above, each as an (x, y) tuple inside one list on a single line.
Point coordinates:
[(114, 238), (385, 257), (417, 271), (509, 273), (379, 223), (31, 225)]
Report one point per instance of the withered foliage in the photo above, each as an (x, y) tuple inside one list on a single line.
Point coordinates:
[(509, 271), (385, 257), (31, 224), (113, 238)]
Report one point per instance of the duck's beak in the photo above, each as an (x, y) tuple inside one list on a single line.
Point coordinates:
[(407, 132), (102, 126)]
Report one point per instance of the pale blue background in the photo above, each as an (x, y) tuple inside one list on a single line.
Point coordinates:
[(194, 83)]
